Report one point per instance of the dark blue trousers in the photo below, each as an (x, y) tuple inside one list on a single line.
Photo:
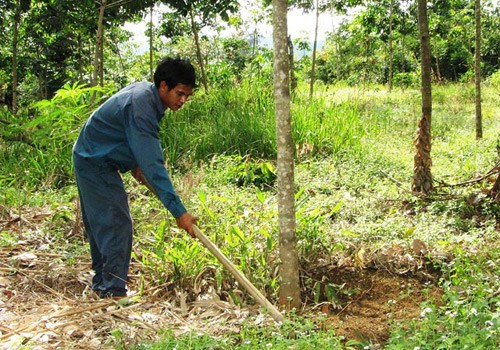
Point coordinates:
[(107, 221)]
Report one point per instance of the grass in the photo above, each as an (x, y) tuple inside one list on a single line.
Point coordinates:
[(295, 333), (353, 180)]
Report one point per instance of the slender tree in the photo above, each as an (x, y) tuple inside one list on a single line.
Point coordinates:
[(15, 41), (290, 286), (477, 71), (99, 46), (18, 7), (151, 31), (422, 177), (315, 46), (391, 52), (122, 11)]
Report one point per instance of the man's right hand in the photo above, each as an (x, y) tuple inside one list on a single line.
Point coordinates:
[(186, 222)]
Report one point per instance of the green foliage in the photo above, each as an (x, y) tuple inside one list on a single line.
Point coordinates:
[(351, 192), (494, 79), (233, 120), (246, 172), (405, 80), (295, 333), (173, 258), (47, 137), (468, 316)]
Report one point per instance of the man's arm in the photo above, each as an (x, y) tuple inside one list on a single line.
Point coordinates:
[(185, 221)]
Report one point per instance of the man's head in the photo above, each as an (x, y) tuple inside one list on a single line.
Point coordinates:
[(175, 71), (175, 80)]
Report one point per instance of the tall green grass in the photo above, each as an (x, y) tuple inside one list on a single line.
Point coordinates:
[(241, 120), (232, 120)]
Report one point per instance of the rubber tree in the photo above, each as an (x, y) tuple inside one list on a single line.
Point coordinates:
[(477, 70), (201, 13), (422, 176), (391, 51), (289, 295)]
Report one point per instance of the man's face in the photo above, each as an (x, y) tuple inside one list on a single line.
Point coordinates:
[(176, 97)]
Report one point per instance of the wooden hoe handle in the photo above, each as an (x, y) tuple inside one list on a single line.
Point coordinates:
[(254, 292)]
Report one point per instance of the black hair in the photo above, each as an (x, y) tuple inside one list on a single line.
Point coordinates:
[(175, 71)]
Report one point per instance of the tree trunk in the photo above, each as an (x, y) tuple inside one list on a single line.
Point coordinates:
[(422, 177), (198, 51), (477, 72), (391, 54), (439, 76), (293, 78), (151, 72), (290, 287), (495, 190), (15, 42), (98, 56), (313, 66)]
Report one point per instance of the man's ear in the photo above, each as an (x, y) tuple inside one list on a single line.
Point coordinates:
[(163, 85)]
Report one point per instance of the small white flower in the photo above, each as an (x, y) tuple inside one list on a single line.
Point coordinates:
[(416, 348), (247, 342), (488, 323), (473, 311), (451, 314), (269, 345), (425, 311)]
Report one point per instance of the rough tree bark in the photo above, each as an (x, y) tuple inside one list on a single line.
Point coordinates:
[(422, 177), (289, 295), (495, 190)]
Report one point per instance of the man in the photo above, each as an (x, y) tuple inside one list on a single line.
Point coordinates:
[(122, 135)]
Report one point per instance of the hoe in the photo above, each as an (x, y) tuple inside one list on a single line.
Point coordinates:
[(254, 292)]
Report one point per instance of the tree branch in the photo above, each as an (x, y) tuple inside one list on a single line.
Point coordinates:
[(492, 171)]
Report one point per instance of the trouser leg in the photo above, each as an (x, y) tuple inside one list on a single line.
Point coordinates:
[(108, 223), (94, 250)]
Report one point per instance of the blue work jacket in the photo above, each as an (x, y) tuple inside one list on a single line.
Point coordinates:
[(123, 133)]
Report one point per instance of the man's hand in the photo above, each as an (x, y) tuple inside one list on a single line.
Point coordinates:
[(186, 222)]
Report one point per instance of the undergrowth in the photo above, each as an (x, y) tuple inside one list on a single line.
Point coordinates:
[(353, 180)]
